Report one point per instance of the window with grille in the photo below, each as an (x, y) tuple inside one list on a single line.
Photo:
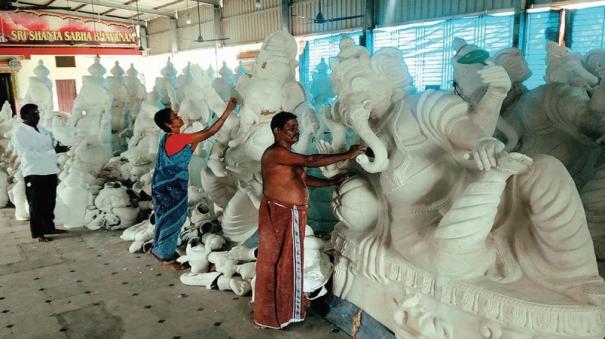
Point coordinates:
[(325, 47), (427, 47), (540, 28), (587, 29)]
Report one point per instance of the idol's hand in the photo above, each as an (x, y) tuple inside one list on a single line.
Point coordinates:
[(486, 151)]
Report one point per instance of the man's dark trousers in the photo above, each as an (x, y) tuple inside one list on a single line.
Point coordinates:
[(41, 193)]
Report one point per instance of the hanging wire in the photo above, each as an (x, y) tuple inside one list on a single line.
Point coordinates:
[(94, 26), (139, 30), (199, 22), (188, 20), (137, 4)]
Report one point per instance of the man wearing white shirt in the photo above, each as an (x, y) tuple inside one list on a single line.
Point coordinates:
[(38, 156)]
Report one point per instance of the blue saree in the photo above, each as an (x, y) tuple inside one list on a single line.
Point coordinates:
[(169, 195)]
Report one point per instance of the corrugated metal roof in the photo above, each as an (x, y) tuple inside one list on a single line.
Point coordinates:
[(330, 9), (127, 8), (251, 26), (397, 12)]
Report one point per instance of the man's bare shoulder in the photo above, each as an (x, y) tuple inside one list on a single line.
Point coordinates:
[(269, 153), (275, 150), (274, 153)]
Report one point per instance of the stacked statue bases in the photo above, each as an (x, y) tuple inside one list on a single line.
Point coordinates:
[(414, 303)]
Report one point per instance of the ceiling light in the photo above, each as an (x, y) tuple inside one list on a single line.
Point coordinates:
[(539, 9), (504, 13)]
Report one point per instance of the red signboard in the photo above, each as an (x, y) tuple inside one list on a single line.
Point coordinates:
[(39, 29)]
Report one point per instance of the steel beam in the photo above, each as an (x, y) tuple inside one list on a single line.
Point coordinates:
[(174, 46), (96, 16), (126, 7), (369, 23), (215, 3), (285, 15)]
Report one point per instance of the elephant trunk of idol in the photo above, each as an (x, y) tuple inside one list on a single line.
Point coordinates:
[(381, 159)]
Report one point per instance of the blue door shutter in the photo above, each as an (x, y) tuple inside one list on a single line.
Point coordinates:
[(427, 48), (541, 27)]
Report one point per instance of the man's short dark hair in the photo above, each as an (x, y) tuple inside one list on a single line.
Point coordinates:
[(279, 120), (28, 110), (162, 119)]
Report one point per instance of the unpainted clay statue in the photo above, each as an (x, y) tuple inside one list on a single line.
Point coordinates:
[(564, 67), (114, 202), (321, 86), (90, 156), (564, 121), (200, 100), (17, 196), (232, 178), (120, 114), (239, 71), (211, 72), (469, 85), (136, 92), (482, 235), (7, 123), (91, 113), (139, 234), (196, 254), (73, 199), (309, 127), (201, 214), (165, 88), (224, 278), (556, 118), (40, 93), (594, 62), (317, 266), (143, 146), (182, 81), (225, 84)]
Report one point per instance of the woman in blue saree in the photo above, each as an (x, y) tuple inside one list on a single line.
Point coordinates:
[(171, 179)]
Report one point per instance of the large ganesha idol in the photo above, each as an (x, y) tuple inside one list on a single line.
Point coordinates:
[(463, 245), (200, 99), (562, 119), (136, 92), (143, 145), (91, 113), (40, 93), (232, 178)]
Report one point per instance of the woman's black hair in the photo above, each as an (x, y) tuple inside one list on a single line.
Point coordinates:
[(162, 119)]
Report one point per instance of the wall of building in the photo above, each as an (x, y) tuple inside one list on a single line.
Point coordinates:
[(159, 34), (65, 73), (243, 23), (330, 9), (397, 12)]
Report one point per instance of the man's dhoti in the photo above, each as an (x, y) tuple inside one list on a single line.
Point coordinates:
[(279, 298)]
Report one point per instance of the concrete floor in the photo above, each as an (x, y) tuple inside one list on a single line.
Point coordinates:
[(85, 284)]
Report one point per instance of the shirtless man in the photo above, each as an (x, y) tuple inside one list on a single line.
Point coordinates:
[(282, 220)]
